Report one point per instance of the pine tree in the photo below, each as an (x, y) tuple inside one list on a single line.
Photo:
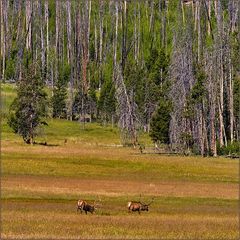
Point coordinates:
[(107, 102), (160, 122), (29, 107), (60, 93)]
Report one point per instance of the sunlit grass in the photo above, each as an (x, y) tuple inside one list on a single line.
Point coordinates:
[(194, 197), (60, 220)]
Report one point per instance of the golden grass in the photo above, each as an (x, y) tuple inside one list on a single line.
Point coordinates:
[(77, 186), (51, 220)]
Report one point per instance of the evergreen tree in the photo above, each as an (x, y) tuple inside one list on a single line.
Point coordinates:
[(29, 107), (160, 122), (106, 103), (60, 94)]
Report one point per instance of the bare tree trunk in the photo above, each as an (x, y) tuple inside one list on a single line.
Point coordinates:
[(196, 15), (231, 101), (57, 26), (46, 15), (199, 31), (209, 16), (89, 24), (135, 30), (127, 117), (151, 17), (205, 135), (69, 55), (212, 106), (95, 42), (78, 45), (3, 38), (29, 24), (69, 31), (85, 48), (183, 13), (101, 41), (164, 24), (116, 35), (124, 34), (139, 31), (212, 131)]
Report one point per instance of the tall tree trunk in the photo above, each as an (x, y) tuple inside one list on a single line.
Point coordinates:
[(139, 32), (3, 38), (69, 31), (116, 35), (69, 57), (100, 40), (57, 29), (124, 34), (46, 16), (183, 13), (164, 24), (199, 31), (209, 16), (231, 101), (89, 25), (213, 146), (29, 23)]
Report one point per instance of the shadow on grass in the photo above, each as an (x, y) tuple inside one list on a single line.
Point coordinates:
[(46, 144)]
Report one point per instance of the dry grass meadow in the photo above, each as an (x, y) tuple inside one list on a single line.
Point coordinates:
[(195, 198)]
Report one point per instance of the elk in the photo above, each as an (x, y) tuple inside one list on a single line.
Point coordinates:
[(138, 206), (82, 205), (89, 208)]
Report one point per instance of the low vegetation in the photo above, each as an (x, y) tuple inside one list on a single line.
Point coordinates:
[(194, 197)]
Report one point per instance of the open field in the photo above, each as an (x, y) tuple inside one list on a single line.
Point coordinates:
[(194, 197)]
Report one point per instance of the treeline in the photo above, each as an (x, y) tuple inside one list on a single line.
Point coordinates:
[(170, 68)]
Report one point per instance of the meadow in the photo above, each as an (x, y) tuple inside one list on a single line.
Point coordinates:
[(194, 197)]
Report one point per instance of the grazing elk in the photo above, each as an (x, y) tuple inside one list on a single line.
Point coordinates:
[(89, 208), (82, 205), (138, 206)]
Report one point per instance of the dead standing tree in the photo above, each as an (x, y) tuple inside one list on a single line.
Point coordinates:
[(181, 75), (125, 108)]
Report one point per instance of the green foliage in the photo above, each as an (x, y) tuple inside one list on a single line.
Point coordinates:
[(10, 69), (198, 90), (60, 93), (157, 66), (29, 106), (135, 80), (236, 97), (160, 122), (159, 87), (107, 101), (231, 149)]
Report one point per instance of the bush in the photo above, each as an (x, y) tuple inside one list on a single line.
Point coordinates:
[(231, 149)]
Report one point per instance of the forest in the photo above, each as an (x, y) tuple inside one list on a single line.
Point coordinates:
[(170, 68)]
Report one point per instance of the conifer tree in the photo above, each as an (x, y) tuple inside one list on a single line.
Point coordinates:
[(29, 107), (160, 121), (60, 93)]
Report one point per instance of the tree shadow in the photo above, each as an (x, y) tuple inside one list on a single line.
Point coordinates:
[(46, 144)]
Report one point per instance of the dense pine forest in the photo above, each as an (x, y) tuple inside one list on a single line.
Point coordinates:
[(167, 67)]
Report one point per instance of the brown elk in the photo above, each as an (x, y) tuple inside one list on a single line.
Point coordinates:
[(138, 206), (82, 205)]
